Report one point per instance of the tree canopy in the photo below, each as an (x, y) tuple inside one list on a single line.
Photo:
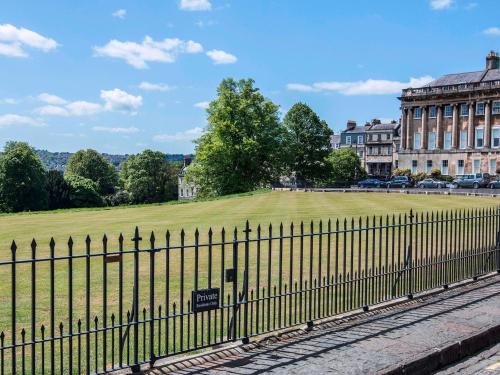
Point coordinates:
[(23, 179), (149, 177), (307, 144), (83, 192), (345, 166), (92, 165), (241, 147)]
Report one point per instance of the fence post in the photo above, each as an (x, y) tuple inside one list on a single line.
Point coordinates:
[(235, 283), (498, 240), (245, 284), (410, 258), (135, 312)]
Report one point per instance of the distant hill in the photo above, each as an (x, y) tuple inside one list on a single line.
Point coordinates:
[(58, 160)]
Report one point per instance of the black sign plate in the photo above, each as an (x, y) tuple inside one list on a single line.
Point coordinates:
[(205, 299)]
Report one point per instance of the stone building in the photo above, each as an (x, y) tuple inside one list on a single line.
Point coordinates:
[(186, 190), (354, 137), (379, 146), (453, 123)]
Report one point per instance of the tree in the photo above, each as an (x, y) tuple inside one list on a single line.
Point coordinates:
[(57, 190), (92, 165), (307, 143), (345, 166), (241, 147), (149, 177), (23, 179), (83, 192)]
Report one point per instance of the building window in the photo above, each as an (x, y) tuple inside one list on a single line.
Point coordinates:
[(428, 166), (493, 166), (495, 137), (447, 140), (360, 139), (464, 110), (417, 141), (431, 143), (444, 167), (479, 137), (348, 139), (414, 166), (463, 139), (480, 109), (417, 113), (432, 111), (460, 167), (496, 108), (476, 166), (448, 111)]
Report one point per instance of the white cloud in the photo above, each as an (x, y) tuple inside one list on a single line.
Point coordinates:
[(8, 101), (117, 130), (51, 99), (195, 5), (83, 108), (187, 135), (139, 54), (12, 120), (492, 31), (148, 86), (202, 105), (120, 13), (221, 57), (14, 39), (368, 87), (441, 4), (52, 110), (119, 100)]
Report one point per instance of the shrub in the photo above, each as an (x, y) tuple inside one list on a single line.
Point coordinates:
[(436, 173), (83, 192), (401, 172), (419, 176), (119, 198), (58, 190)]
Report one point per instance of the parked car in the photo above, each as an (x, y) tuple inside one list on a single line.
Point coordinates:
[(432, 183), (476, 181), (371, 182), (400, 181), (495, 184)]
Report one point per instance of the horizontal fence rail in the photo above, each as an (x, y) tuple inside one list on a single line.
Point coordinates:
[(90, 308)]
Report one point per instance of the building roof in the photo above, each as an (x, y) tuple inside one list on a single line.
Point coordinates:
[(357, 129), (380, 127), (460, 78)]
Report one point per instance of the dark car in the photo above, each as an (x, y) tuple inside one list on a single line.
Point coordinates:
[(400, 181), (432, 183), (370, 182), (495, 184), (476, 181)]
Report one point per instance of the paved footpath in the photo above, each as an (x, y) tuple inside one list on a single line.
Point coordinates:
[(485, 363), (369, 343)]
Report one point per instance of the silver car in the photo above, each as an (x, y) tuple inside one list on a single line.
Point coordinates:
[(431, 183)]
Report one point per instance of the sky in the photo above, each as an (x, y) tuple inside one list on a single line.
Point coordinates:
[(121, 76)]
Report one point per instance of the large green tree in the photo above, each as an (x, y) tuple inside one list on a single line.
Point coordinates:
[(83, 192), (149, 177), (345, 166), (92, 165), (58, 190), (23, 179), (241, 147), (307, 144)]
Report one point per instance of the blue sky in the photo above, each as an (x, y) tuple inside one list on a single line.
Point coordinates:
[(124, 75)]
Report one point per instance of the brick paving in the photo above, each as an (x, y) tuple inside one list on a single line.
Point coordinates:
[(370, 343)]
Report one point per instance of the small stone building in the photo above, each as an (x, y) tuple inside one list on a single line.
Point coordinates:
[(186, 190)]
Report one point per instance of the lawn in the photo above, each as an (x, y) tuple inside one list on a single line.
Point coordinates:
[(259, 208)]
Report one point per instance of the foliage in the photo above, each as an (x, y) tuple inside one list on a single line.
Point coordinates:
[(23, 179), (419, 176), (149, 177), (401, 172), (119, 198), (345, 166), (497, 171), (307, 143), (58, 190), (436, 173), (241, 148), (92, 165), (83, 192)]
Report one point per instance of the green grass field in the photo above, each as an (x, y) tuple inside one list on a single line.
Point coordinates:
[(259, 208)]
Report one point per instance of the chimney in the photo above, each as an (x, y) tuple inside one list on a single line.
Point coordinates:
[(376, 121), (492, 60), (351, 124)]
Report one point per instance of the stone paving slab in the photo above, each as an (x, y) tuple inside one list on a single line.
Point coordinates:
[(371, 343), (486, 362)]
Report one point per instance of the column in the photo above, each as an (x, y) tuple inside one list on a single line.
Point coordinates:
[(470, 126), (439, 130), (454, 130), (487, 124), (409, 129), (403, 128), (425, 132)]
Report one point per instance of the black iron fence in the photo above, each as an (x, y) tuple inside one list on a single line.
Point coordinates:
[(87, 308)]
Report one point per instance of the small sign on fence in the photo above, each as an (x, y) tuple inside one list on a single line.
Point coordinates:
[(205, 299)]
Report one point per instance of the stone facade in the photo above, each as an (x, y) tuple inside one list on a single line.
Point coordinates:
[(453, 123), (380, 145), (186, 191)]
